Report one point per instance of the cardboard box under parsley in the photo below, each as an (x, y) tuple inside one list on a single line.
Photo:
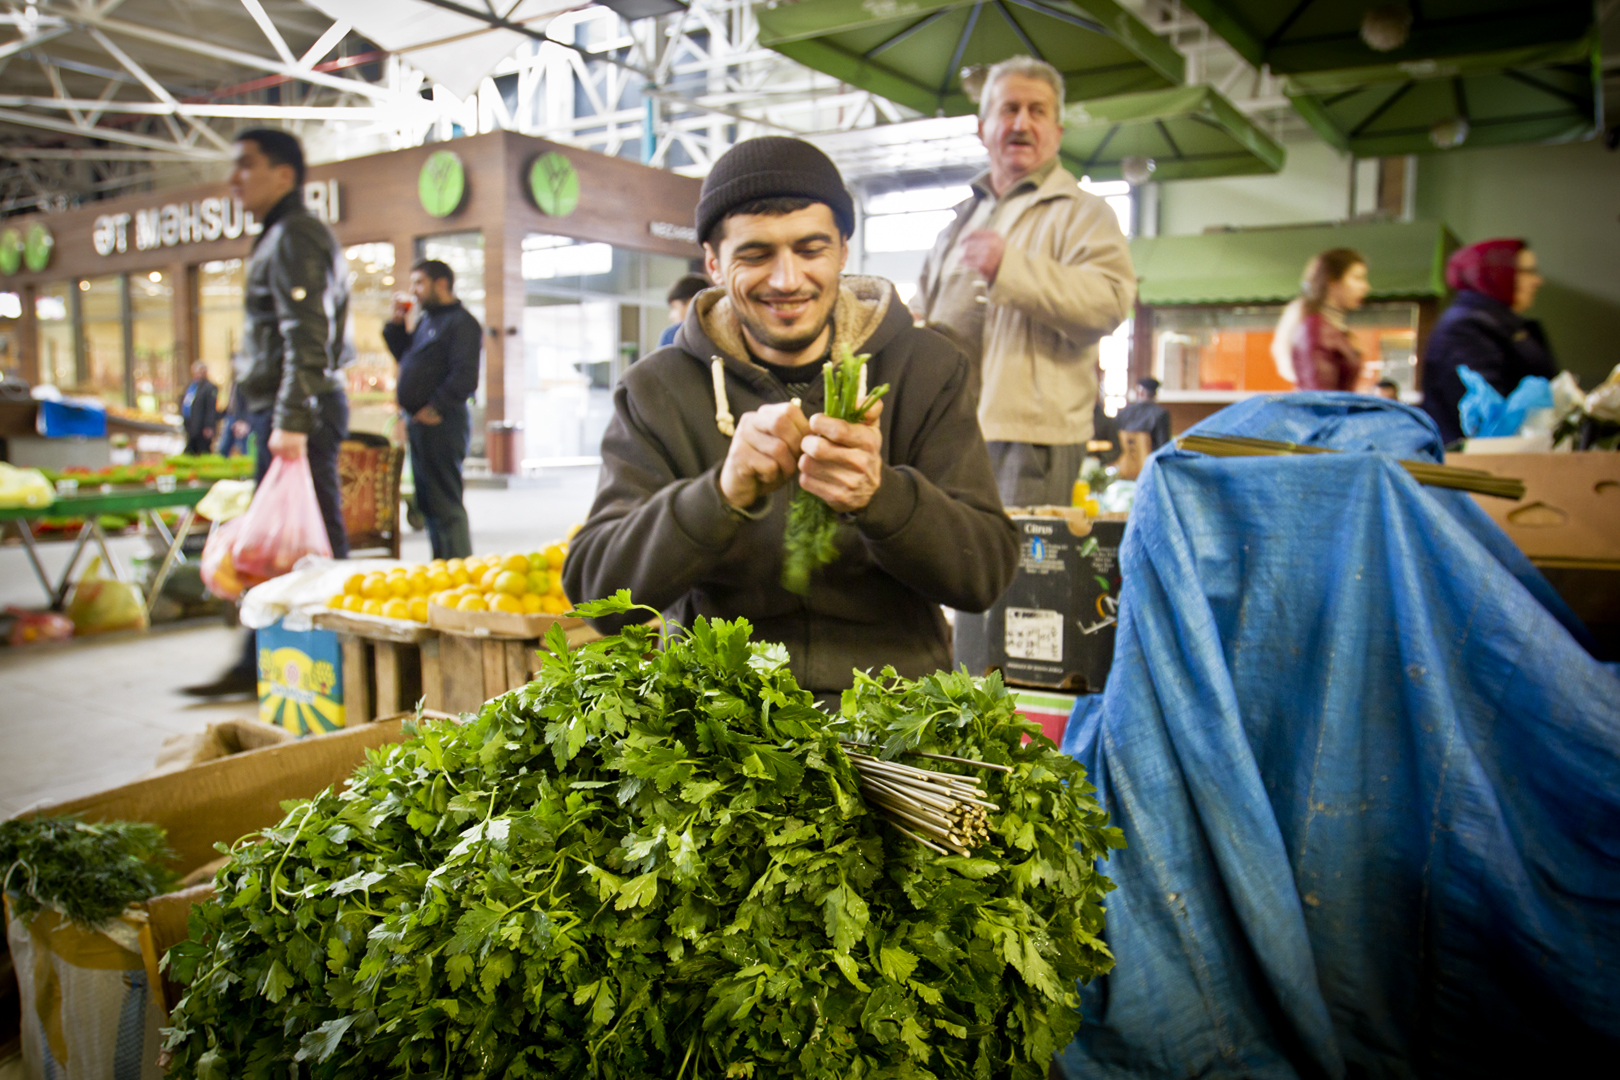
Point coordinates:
[(221, 801), (1054, 626)]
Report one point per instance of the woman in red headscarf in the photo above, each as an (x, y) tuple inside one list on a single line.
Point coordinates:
[(1485, 328)]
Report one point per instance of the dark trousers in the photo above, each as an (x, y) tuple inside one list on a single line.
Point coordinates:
[(437, 451), (198, 444), (1030, 474), (331, 427)]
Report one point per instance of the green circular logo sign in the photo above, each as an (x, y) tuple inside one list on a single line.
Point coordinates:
[(442, 184), (11, 251), (38, 246), (554, 184)]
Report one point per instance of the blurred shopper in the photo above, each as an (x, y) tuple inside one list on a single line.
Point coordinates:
[(1028, 278), (680, 297), (1485, 329), (1325, 358), (199, 410), (438, 372), (297, 299), (1388, 390), (1144, 413)]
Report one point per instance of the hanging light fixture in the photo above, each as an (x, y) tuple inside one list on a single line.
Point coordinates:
[(1450, 133), (1386, 27), (1137, 170)]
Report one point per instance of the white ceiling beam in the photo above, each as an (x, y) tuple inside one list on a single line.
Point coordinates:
[(156, 88), (323, 45), (97, 153), (29, 41), (200, 109), (277, 42), (11, 116)]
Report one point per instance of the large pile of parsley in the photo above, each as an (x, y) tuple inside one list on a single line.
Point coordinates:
[(655, 863)]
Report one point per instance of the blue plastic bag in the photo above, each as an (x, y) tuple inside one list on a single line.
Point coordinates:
[(1483, 412)]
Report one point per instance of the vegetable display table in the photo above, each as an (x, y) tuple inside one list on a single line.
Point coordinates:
[(133, 502)]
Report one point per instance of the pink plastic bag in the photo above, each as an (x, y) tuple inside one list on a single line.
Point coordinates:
[(218, 569), (282, 525)]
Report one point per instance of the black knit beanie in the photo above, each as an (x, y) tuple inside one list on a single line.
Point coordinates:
[(772, 167)]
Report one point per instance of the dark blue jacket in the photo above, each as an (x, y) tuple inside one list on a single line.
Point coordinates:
[(438, 361), (1489, 337)]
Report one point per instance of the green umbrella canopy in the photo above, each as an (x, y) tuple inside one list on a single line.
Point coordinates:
[(1324, 35), (1188, 132), (1527, 95), (913, 51)]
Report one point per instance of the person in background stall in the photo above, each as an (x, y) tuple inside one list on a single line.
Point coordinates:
[(1144, 413), (1324, 356), (199, 409), (1485, 328), (680, 297), (1388, 390)]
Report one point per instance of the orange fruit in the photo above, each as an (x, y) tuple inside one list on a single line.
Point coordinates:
[(375, 587), (353, 584), (506, 602), (455, 564), (518, 564), (459, 575), (396, 609), (371, 607), (537, 560), (533, 603), (399, 586), (511, 583), (555, 605), (336, 602), (486, 581), (418, 608), (353, 603), (555, 554), (539, 581), (475, 565), (471, 603), (439, 580), (445, 598), (556, 586), (419, 582)]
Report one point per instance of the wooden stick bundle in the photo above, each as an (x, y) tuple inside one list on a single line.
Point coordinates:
[(943, 812), (1424, 472)]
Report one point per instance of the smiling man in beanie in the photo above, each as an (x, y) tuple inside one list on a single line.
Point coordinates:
[(710, 435)]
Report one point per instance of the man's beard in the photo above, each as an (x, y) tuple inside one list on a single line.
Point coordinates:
[(780, 340)]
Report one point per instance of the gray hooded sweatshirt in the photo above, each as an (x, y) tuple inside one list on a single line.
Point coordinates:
[(933, 534)]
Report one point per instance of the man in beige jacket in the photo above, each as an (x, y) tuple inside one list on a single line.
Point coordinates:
[(1028, 278)]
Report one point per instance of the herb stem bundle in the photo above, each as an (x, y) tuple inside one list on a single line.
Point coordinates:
[(1424, 472), (942, 811)]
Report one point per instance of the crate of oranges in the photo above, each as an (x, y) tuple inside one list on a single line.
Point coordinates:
[(513, 595), (399, 595)]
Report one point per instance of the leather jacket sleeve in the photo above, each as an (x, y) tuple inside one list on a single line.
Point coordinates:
[(302, 275)]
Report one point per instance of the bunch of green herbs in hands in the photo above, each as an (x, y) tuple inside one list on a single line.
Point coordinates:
[(651, 862), (811, 540), (88, 872)]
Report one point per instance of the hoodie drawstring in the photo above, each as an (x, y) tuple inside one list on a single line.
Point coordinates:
[(722, 405)]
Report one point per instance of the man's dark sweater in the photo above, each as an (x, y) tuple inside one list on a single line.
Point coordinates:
[(933, 534), (438, 361)]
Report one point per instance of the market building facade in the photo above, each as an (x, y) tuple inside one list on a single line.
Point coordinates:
[(563, 255)]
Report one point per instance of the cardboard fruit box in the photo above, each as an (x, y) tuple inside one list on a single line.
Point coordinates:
[(221, 801), (1570, 513)]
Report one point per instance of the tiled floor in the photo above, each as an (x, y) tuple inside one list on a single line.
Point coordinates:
[(86, 715)]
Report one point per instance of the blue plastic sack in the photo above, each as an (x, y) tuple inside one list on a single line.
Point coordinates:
[(63, 419), (1484, 413), (1368, 777)]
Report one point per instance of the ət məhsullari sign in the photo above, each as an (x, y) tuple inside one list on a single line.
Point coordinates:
[(199, 221)]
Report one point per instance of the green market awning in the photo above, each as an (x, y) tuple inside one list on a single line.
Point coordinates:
[(1536, 94), (913, 51), (1294, 36), (1188, 132), (1405, 261)]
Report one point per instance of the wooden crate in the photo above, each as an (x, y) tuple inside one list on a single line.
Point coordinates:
[(388, 664), (470, 669)]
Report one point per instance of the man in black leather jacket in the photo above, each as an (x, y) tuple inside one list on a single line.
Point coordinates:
[(297, 299)]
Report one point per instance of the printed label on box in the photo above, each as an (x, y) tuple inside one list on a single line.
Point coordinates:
[(1034, 634)]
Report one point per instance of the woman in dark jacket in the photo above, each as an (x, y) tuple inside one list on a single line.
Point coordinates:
[(1484, 328), (1325, 358)]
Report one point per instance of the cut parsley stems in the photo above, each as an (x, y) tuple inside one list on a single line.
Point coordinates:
[(811, 541)]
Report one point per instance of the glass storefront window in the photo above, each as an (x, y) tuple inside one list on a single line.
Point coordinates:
[(590, 310), (10, 331), (101, 307), (219, 320), (1229, 349), (373, 374), (53, 313), (151, 312)]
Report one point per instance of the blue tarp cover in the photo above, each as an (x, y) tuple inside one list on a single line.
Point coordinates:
[(1368, 775)]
